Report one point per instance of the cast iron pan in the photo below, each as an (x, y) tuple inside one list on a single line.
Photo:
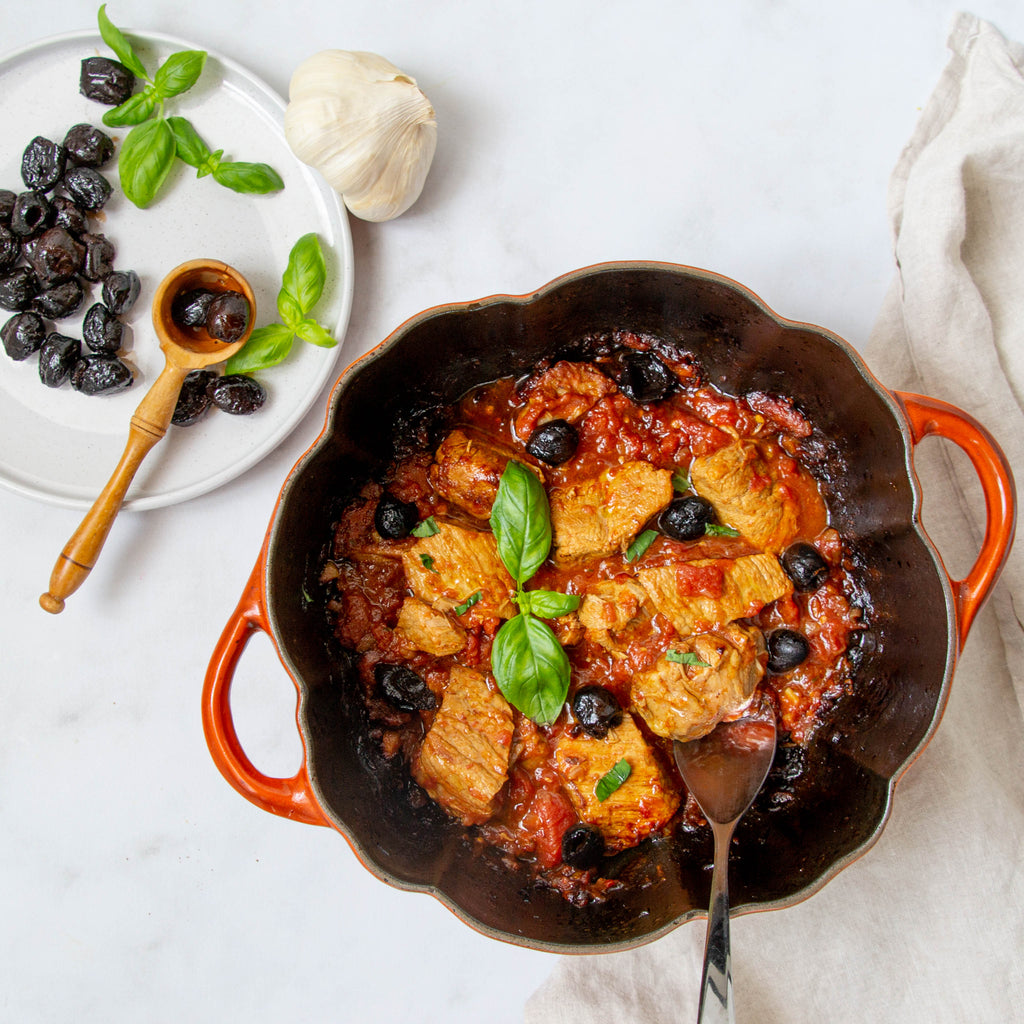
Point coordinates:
[(806, 825)]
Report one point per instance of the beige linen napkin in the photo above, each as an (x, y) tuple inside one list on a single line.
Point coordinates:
[(929, 925)]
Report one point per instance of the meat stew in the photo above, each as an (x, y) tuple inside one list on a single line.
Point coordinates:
[(700, 573)]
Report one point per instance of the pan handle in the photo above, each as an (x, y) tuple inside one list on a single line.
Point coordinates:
[(291, 797), (931, 416)]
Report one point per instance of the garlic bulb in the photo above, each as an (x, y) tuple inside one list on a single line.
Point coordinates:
[(365, 126)]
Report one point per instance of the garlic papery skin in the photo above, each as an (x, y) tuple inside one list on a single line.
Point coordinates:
[(365, 126)]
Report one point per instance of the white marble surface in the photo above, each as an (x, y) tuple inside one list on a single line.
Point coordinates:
[(751, 138)]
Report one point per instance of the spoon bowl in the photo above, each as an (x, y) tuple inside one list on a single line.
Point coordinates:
[(185, 349), (724, 771)]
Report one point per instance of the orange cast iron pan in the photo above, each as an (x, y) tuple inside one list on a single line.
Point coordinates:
[(863, 452)]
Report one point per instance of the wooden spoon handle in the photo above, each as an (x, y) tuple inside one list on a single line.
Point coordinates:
[(148, 425)]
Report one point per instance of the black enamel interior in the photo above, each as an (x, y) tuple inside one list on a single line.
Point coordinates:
[(794, 838)]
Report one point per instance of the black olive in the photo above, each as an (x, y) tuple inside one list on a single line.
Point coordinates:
[(105, 80), (100, 374), (10, 248), (394, 519), (102, 330), (88, 146), (55, 256), (57, 358), (7, 198), (194, 398), (786, 649), (582, 847), (596, 710), (402, 688), (99, 256), (189, 308), (643, 377), (18, 288), (120, 290), (237, 394), (87, 187), (553, 442), (60, 301), (67, 215), (31, 214), (686, 518), (23, 334), (227, 316), (804, 566), (42, 164)]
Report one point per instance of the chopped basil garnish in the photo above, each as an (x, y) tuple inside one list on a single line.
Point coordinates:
[(612, 780), (686, 658), (640, 545), (427, 528)]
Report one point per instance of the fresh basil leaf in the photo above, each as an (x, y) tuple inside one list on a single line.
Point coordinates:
[(715, 530), (461, 609), (311, 331), (428, 563), (134, 110), (530, 668), (210, 164), (521, 521), (640, 545), (686, 658), (681, 482), (115, 39), (548, 604), (267, 346), (179, 72), (147, 155), (304, 277), (190, 147), (251, 179), (427, 528), (612, 780), (288, 309)]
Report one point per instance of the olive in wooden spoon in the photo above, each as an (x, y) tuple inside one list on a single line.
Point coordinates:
[(185, 349), (724, 771)]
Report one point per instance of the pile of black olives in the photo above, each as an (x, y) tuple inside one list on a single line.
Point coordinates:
[(50, 256)]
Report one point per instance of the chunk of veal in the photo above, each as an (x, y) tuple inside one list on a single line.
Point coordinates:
[(568, 391), (463, 761), (427, 629), (467, 470), (611, 604), (598, 516), (683, 701), (746, 495), (447, 569), (711, 592), (640, 806)]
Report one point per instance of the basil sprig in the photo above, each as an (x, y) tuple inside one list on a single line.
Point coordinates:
[(528, 662), (234, 174), (301, 287), (149, 149)]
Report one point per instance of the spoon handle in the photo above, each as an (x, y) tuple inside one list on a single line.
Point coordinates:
[(716, 1005), (148, 425)]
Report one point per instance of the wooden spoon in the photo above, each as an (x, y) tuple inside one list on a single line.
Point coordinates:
[(185, 349)]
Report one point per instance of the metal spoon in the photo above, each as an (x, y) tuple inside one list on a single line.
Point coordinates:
[(724, 771), (184, 349)]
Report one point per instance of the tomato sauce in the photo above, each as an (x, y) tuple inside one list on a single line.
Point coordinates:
[(534, 809)]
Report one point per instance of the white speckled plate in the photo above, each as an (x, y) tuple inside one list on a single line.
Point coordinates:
[(61, 446)]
